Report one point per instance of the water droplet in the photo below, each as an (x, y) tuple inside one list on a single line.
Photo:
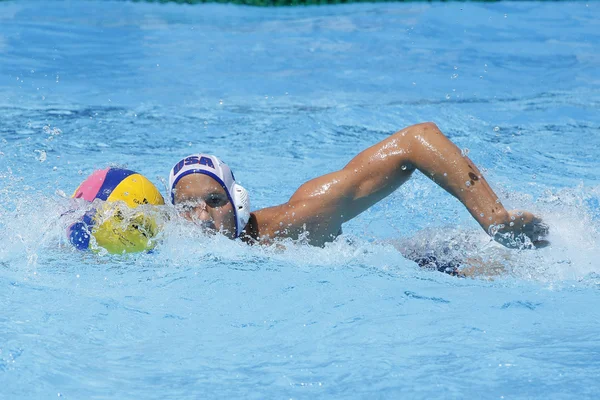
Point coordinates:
[(80, 172), (42, 155), (533, 176), (496, 128), (447, 97), (511, 224), (403, 167), (465, 152), (468, 183), (482, 215), (445, 174)]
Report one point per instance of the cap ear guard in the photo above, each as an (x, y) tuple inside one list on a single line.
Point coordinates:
[(241, 202)]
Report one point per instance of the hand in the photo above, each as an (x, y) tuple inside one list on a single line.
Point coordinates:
[(523, 230)]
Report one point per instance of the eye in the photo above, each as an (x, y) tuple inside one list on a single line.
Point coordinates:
[(215, 200)]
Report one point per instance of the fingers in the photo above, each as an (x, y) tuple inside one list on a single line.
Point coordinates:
[(529, 231)]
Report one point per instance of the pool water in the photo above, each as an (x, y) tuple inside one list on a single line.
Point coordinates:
[(284, 95)]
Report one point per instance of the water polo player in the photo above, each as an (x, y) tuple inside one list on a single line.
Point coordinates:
[(203, 188)]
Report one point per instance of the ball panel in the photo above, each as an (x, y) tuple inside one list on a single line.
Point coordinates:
[(88, 190), (79, 236), (136, 190), (118, 231)]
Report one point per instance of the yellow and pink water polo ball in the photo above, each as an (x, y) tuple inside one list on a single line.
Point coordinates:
[(116, 223)]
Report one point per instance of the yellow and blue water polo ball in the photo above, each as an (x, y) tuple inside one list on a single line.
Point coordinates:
[(114, 224)]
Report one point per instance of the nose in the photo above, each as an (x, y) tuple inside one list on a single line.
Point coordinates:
[(201, 213)]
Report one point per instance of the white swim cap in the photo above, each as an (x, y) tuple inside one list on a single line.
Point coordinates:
[(210, 165)]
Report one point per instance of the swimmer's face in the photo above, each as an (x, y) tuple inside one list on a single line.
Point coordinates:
[(201, 199)]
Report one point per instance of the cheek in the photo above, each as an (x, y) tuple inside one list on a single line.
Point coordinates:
[(225, 217)]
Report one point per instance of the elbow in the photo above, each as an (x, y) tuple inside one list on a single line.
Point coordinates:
[(427, 127), (417, 132)]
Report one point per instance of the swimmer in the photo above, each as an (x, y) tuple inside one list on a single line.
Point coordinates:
[(203, 189)]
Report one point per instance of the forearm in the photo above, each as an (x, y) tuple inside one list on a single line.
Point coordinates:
[(438, 158)]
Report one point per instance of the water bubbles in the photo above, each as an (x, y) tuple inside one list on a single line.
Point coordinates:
[(465, 152), (533, 176), (190, 144), (42, 155), (505, 15), (496, 128), (51, 131), (447, 97)]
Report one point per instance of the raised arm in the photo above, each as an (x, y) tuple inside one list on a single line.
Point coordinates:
[(324, 203)]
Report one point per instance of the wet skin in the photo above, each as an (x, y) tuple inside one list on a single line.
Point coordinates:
[(202, 199), (320, 206)]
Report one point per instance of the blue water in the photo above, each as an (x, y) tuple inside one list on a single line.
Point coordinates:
[(284, 95)]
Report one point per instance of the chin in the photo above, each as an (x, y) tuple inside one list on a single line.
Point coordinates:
[(228, 233)]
